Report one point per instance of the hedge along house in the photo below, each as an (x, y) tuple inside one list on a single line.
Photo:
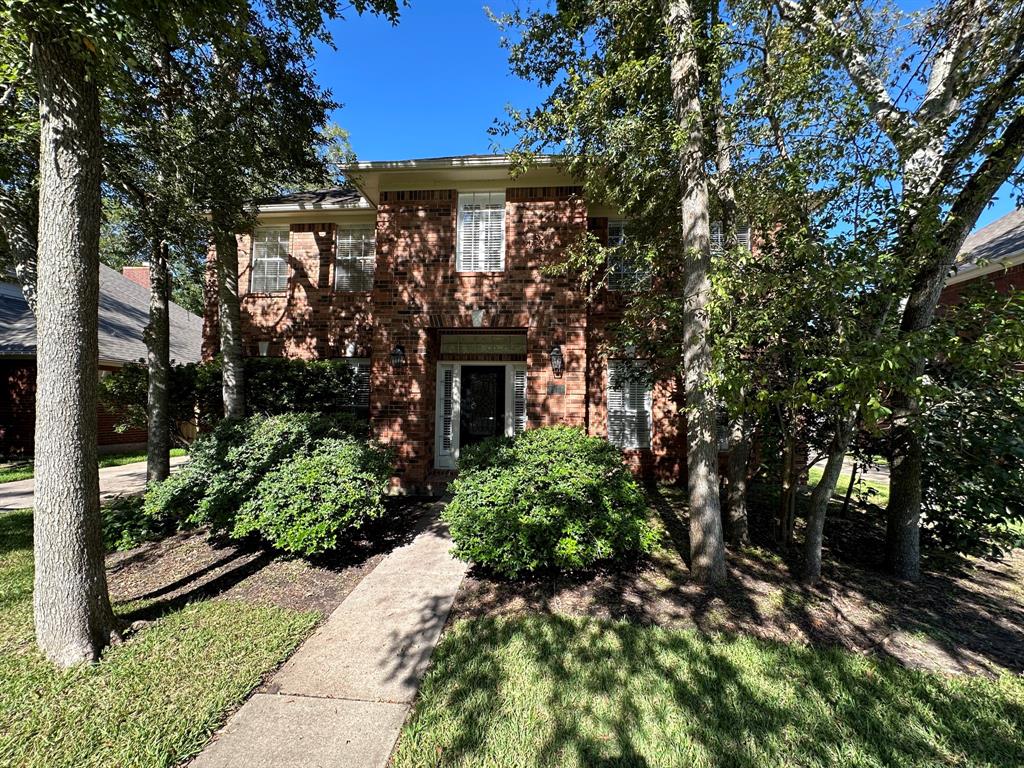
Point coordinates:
[(429, 276)]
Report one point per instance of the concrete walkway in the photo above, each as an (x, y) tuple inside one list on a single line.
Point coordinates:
[(114, 481), (340, 701)]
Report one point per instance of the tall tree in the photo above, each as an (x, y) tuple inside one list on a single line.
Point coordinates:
[(685, 27), (73, 616), (627, 111), (945, 88)]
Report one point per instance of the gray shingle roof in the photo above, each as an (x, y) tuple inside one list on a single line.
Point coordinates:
[(124, 312), (319, 198), (1003, 237)]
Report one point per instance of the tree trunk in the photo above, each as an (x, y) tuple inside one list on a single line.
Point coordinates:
[(849, 490), (158, 332), (73, 617), (787, 493), (822, 494), (736, 483), (707, 547), (230, 324), (903, 529), (158, 358)]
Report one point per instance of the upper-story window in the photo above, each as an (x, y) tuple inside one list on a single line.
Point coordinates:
[(269, 272), (356, 259), (624, 273), (718, 237), (481, 235)]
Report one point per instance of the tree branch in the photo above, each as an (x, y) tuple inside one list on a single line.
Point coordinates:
[(896, 122)]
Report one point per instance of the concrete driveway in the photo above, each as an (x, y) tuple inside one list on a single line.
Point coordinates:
[(114, 481)]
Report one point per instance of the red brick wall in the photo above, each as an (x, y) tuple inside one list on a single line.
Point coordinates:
[(1004, 280), (418, 293), (18, 413)]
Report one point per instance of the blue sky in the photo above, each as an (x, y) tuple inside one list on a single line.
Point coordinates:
[(435, 83)]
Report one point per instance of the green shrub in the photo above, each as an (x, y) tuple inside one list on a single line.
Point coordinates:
[(549, 497), (126, 524), (226, 465), (276, 385), (308, 503)]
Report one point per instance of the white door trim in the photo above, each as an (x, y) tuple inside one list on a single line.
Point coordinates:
[(443, 459)]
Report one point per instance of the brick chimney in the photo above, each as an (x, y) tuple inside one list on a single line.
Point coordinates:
[(138, 275)]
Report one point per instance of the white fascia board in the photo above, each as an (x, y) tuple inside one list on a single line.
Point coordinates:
[(970, 271)]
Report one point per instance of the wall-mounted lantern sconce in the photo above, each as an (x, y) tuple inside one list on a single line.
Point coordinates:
[(557, 360), (398, 356), (264, 348)]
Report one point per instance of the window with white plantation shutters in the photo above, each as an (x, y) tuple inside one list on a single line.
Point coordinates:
[(518, 400), (269, 269), (718, 237), (629, 405), (360, 395), (481, 232), (356, 259)]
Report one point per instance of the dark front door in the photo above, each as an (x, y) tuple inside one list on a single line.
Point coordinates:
[(482, 403)]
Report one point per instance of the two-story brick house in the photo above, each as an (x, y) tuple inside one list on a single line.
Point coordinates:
[(429, 275)]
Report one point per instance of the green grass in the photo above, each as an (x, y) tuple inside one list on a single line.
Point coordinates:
[(151, 701), (554, 691), (876, 492), (24, 470)]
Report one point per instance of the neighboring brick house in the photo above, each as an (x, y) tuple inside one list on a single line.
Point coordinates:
[(994, 253), (430, 278), (123, 314)]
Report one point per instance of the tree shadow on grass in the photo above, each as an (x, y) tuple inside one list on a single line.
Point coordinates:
[(557, 691)]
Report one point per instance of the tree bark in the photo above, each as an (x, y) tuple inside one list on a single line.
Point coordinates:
[(158, 359), (736, 483), (230, 324), (73, 617), (822, 494), (707, 546), (158, 332)]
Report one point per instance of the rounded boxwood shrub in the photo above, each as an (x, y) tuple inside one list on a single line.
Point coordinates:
[(310, 502), (225, 465), (549, 497)]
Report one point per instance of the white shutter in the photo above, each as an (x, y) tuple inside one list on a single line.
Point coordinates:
[(356, 259), (629, 407), (718, 237), (361, 382), (518, 400), (269, 268), (481, 232)]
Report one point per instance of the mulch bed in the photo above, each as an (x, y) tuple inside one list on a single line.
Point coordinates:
[(193, 565), (967, 619)]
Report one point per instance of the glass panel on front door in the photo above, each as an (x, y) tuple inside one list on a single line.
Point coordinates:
[(482, 403)]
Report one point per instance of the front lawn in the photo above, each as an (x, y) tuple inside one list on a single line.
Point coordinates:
[(152, 701), (23, 470), (559, 691), (875, 491)]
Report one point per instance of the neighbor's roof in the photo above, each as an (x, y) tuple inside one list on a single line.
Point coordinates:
[(318, 199), (124, 312), (999, 245)]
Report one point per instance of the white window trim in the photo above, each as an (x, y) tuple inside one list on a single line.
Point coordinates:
[(449, 459), (367, 264), (633, 441), (462, 240), (622, 276), (255, 259)]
